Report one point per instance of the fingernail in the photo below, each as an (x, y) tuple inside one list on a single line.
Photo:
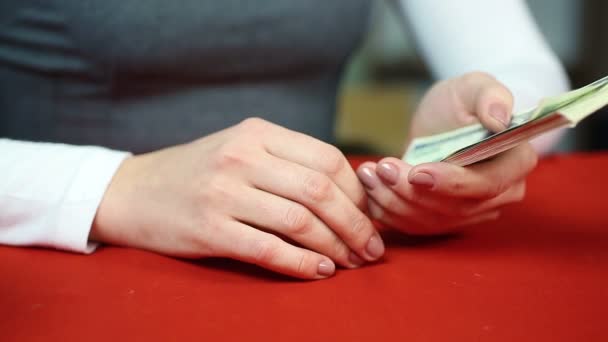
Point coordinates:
[(367, 177), (499, 113), (423, 179), (326, 268), (355, 260), (375, 247), (389, 172)]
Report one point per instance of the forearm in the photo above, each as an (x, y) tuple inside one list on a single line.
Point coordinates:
[(499, 38)]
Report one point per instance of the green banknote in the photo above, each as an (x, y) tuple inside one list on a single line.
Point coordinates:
[(470, 144)]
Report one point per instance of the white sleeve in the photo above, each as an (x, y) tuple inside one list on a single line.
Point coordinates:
[(498, 37), (49, 193)]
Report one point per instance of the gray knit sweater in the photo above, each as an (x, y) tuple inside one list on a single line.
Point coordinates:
[(140, 75)]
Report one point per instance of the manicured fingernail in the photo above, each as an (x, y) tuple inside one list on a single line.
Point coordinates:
[(375, 247), (326, 268), (355, 260), (389, 172), (499, 112), (367, 177), (422, 179)]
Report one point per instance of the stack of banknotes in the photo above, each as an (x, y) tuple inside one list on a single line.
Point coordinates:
[(474, 143)]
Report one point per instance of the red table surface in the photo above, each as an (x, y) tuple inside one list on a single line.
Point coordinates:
[(538, 274)]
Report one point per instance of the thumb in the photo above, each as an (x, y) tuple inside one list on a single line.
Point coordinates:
[(485, 98)]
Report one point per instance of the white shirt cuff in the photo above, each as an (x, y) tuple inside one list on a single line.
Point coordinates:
[(49, 193)]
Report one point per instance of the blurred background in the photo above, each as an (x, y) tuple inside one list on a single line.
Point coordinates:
[(386, 78)]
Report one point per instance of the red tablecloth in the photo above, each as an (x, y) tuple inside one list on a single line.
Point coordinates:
[(539, 274)]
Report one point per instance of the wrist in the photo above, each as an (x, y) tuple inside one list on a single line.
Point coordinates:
[(110, 218)]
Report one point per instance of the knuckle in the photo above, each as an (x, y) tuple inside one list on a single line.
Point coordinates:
[(230, 156), (520, 193), (493, 186), (305, 265), (254, 124), (456, 185), (394, 203), (203, 229), (501, 89), (332, 160), (494, 190), (265, 252), (361, 201), (317, 188), (301, 268), (477, 75), (360, 226), (213, 191), (375, 211), (338, 249), (216, 190), (298, 220), (409, 194)]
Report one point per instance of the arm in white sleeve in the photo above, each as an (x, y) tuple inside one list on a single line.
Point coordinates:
[(49, 193), (497, 37)]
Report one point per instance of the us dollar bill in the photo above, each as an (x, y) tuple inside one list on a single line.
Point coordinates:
[(474, 143)]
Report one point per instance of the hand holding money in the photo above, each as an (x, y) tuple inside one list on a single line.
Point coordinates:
[(436, 197), (474, 143)]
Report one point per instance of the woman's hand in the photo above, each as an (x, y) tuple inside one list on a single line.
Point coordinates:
[(255, 192), (436, 198)]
